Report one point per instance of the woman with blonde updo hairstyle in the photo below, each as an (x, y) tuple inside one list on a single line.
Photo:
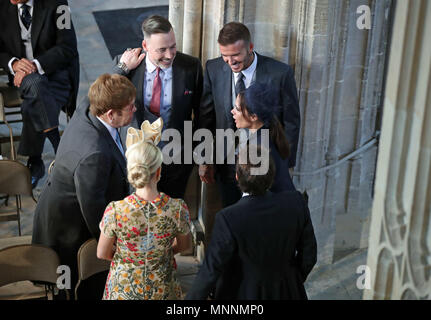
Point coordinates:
[(144, 160), (141, 233)]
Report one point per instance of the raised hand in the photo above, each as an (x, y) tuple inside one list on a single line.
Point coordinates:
[(132, 57)]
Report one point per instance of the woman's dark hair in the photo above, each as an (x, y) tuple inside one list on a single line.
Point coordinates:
[(269, 119), (250, 183)]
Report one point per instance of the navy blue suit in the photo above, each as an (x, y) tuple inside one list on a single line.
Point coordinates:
[(262, 247)]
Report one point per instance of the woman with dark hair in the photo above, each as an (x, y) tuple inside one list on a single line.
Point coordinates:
[(256, 109)]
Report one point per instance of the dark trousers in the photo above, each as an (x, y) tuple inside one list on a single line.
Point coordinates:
[(174, 178), (43, 98)]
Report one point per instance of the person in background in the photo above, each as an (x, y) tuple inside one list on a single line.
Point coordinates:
[(141, 233), (262, 247), (42, 61)]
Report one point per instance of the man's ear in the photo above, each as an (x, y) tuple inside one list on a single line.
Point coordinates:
[(144, 45), (251, 46), (110, 114), (236, 176)]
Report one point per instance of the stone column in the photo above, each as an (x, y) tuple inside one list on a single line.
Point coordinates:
[(176, 18), (192, 27), (339, 71), (399, 254)]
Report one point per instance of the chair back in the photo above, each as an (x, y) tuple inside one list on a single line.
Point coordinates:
[(15, 178), (4, 120), (88, 263), (28, 262)]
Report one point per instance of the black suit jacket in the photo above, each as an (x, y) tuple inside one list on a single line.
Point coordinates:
[(186, 92), (262, 247), (216, 103), (54, 48), (89, 172)]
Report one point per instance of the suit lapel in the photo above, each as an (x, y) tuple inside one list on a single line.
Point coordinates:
[(227, 94), (104, 133), (138, 80), (37, 21), (178, 88), (261, 72), (15, 33)]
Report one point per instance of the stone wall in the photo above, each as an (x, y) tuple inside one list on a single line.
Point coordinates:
[(399, 254), (339, 70)]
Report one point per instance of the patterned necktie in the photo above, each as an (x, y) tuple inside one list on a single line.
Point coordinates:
[(118, 141), (239, 86), (26, 16), (157, 90)]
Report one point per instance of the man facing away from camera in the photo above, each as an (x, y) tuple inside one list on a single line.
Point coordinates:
[(89, 172)]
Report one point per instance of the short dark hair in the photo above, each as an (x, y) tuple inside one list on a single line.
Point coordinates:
[(254, 184), (232, 32), (155, 24)]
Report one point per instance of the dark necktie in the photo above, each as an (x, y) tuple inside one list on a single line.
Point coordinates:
[(26, 16), (157, 90), (240, 86)]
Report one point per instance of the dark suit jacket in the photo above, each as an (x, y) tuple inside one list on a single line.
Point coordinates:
[(88, 173), (262, 247), (186, 92), (54, 48), (216, 102)]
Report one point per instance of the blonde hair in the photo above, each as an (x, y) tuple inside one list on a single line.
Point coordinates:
[(143, 160)]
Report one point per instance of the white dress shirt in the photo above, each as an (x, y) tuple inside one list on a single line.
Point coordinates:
[(249, 76), (166, 94), (113, 132), (26, 38)]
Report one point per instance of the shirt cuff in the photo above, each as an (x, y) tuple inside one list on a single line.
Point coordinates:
[(39, 67), (10, 65)]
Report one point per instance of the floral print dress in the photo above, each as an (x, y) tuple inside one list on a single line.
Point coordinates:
[(143, 266)]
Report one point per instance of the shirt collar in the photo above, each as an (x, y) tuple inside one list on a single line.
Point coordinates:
[(151, 67), (248, 73), (29, 3), (245, 194), (112, 131)]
